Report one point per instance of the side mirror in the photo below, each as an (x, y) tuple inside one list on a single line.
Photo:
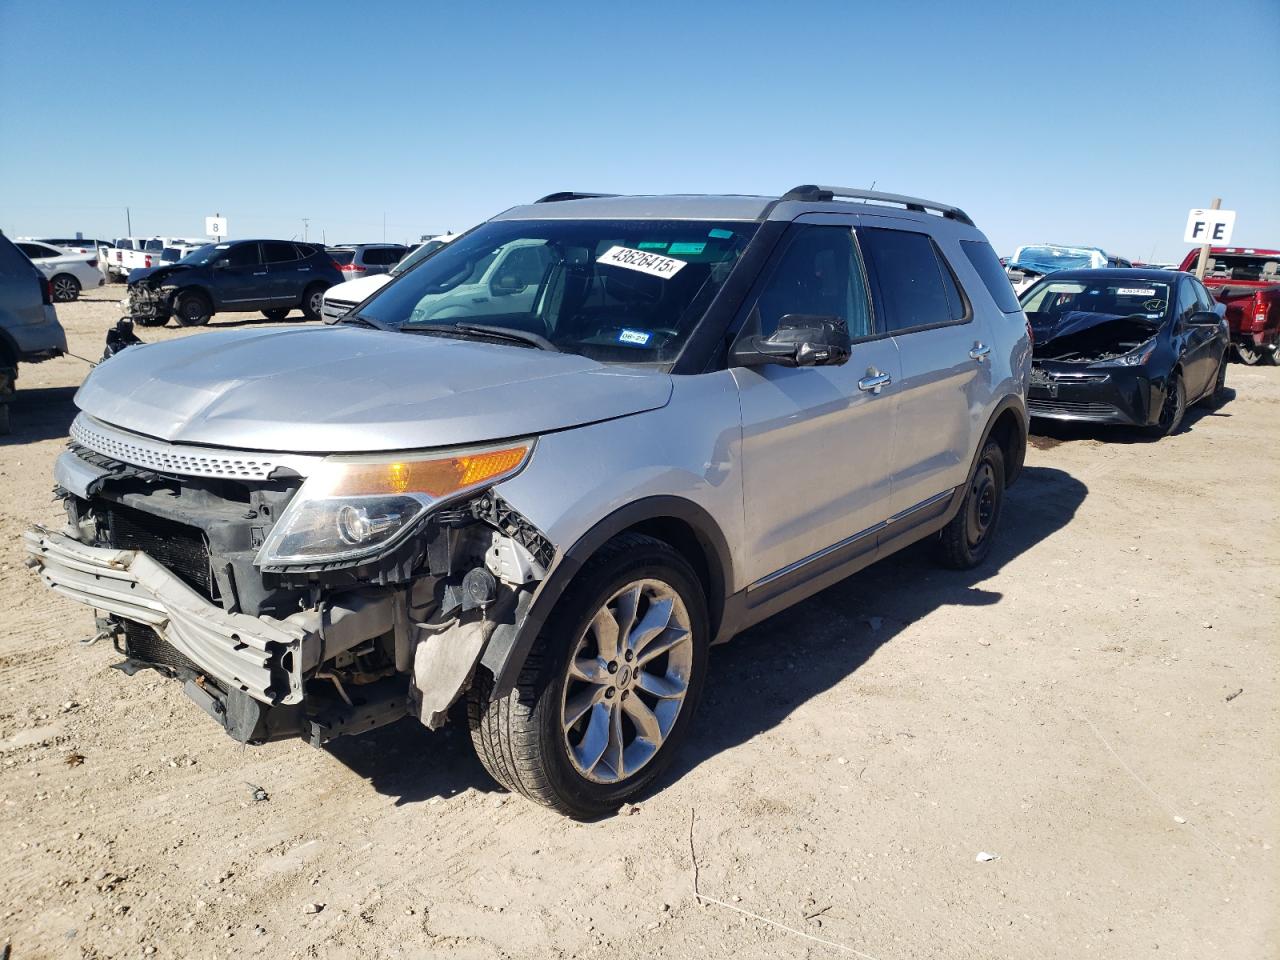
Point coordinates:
[(504, 285), (1205, 318), (801, 340)]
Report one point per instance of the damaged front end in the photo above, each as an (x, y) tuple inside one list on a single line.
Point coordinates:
[(1095, 367), (294, 595), (150, 301)]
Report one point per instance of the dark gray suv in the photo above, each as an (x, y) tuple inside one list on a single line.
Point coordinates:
[(546, 469)]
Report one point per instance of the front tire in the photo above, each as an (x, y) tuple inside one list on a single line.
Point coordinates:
[(192, 310), (966, 540), (1172, 409), (65, 288), (609, 690)]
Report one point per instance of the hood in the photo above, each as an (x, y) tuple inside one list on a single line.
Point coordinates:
[(354, 291), (155, 273), (1082, 330), (353, 390)]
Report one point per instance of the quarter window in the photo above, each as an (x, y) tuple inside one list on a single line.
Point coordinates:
[(993, 276), (916, 286), (820, 274)]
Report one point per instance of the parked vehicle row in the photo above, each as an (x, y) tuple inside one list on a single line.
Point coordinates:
[(340, 300), (140, 253), (68, 273), (517, 474)]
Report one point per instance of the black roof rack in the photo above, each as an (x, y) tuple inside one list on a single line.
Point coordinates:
[(817, 194), (571, 195)]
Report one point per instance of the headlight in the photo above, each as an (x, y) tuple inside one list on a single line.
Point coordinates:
[(354, 506), (1134, 358)]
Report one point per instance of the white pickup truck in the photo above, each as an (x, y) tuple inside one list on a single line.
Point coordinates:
[(134, 253)]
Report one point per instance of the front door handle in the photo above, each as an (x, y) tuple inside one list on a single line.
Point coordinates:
[(874, 381), (262, 274), (979, 352)]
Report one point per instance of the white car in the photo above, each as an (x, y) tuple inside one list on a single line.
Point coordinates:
[(68, 273), (339, 299)]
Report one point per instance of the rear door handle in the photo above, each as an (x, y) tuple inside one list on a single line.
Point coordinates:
[(874, 381), (979, 352)]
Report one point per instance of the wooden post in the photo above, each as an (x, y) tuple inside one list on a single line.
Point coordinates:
[(1204, 251)]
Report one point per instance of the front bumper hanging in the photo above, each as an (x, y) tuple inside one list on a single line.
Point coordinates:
[(261, 656)]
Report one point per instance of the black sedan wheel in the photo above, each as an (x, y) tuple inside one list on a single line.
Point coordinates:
[(1173, 408)]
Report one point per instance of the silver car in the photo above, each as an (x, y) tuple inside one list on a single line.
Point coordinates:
[(695, 412)]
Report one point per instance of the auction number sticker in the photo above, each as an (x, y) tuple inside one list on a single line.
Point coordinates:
[(654, 264), (1135, 292)]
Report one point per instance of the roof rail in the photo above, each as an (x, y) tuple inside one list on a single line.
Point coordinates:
[(571, 195), (813, 193)]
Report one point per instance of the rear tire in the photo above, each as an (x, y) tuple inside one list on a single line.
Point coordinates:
[(610, 687), (1216, 395), (966, 540), (66, 288), (276, 313), (5, 423), (192, 310), (313, 302)]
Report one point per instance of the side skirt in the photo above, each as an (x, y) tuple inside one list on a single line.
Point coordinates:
[(803, 579)]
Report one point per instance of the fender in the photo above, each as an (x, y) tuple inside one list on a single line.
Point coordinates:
[(1014, 467), (505, 654)]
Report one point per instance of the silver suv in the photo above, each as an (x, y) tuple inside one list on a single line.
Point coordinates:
[(696, 411)]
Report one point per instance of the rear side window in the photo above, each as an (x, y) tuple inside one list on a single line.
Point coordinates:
[(916, 285), (277, 251), (994, 278), (33, 250)]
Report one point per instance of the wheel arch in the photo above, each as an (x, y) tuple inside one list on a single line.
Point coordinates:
[(1007, 426), (680, 523)]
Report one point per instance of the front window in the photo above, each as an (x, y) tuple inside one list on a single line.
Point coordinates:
[(1118, 298), (617, 291), (1235, 266), (1047, 259)]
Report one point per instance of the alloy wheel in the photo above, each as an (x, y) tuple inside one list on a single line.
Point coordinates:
[(65, 289), (627, 681)]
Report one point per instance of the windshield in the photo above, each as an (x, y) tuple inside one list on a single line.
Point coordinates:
[(1120, 298), (1258, 268), (1047, 259), (203, 255), (416, 256), (617, 291)]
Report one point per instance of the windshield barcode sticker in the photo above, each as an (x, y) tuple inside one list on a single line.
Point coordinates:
[(1135, 292), (653, 264)]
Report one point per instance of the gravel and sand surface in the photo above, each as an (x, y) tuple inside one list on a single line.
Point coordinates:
[(1096, 708)]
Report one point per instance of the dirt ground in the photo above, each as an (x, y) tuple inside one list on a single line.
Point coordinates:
[(1097, 707)]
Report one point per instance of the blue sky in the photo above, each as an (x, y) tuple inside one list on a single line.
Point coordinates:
[(1099, 123)]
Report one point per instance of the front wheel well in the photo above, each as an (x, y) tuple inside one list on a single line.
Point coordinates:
[(685, 539)]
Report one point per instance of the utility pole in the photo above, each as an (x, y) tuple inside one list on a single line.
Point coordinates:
[(1204, 251), (128, 221), (306, 223)]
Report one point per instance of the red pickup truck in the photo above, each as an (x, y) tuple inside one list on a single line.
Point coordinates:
[(1247, 280)]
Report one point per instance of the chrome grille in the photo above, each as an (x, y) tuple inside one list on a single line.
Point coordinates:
[(180, 459), (333, 309)]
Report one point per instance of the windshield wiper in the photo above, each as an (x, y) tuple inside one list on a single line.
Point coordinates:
[(361, 320), (485, 330)]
